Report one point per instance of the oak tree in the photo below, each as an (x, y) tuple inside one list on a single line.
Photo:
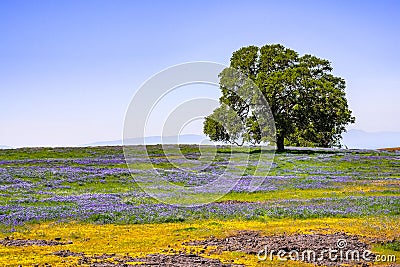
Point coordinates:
[(307, 101)]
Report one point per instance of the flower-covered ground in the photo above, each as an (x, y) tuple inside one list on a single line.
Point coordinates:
[(87, 202)]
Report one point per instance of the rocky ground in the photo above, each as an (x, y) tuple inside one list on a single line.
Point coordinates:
[(253, 243), (30, 242), (249, 242)]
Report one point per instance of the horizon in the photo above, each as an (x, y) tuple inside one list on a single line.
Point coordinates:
[(69, 69), (350, 142)]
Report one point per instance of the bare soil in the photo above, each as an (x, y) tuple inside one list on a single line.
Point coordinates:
[(178, 260), (30, 242), (253, 243), (248, 242)]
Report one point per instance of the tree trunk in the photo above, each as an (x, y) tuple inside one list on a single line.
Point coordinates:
[(280, 142)]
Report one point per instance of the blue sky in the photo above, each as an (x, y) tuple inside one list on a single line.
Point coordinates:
[(68, 69)]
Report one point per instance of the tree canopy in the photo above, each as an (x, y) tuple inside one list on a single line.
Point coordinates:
[(308, 103)]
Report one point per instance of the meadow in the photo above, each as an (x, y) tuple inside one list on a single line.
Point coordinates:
[(84, 207)]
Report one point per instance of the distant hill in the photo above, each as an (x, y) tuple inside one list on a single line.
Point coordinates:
[(5, 147), (353, 139), (153, 140), (391, 149), (370, 140)]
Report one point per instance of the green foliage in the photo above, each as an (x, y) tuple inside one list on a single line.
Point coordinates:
[(58, 152), (307, 102), (393, 245)]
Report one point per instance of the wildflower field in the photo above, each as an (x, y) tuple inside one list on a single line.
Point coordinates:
[(83, 207)]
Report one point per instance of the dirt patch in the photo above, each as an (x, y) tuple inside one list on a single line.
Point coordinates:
[(329, 250), (30, 242), (182, 260), (68, 253), (113, 260), (254, 243)]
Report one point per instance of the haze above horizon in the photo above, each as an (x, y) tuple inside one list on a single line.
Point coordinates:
[(69, 69)]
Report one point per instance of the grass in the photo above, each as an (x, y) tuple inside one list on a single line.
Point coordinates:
[(345, 191), (29, 178), (57, 153)]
